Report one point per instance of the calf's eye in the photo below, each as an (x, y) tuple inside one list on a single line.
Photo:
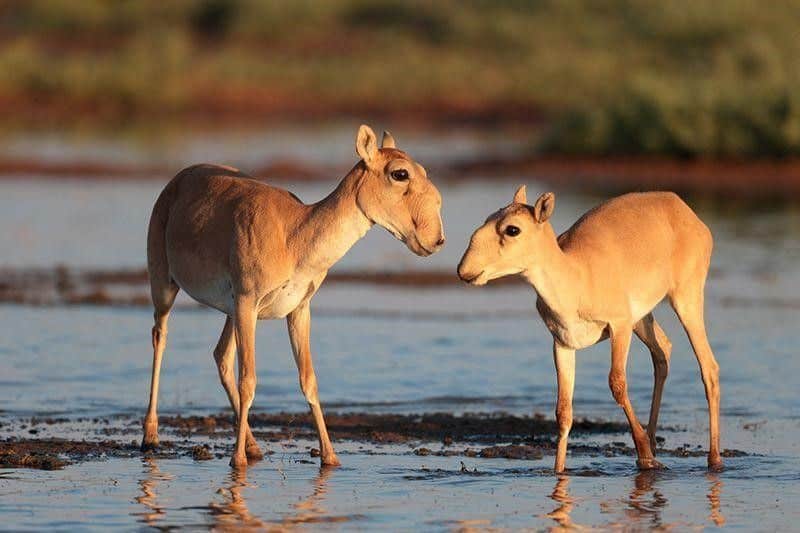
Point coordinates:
[(400, 175), (512, 231)]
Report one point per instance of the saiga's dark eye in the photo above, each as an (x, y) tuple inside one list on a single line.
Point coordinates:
[(512, 231), (400, 175)]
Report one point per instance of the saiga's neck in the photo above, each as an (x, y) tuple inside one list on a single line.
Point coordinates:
[(331, 226)]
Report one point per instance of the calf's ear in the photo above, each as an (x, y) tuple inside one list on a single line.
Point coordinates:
[(544, 207)]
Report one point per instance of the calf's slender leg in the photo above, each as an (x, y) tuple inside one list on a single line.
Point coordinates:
[(648, 330), (224, 354), (244, 323), (617, 381), (299, 324), (565, 368)]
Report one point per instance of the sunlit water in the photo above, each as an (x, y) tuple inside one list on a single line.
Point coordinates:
[(398, 350)]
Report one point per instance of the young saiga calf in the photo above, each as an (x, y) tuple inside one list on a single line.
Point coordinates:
[(601, 279), (253, 252)]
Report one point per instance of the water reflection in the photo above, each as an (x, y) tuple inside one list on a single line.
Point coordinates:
[(311, 510), (233, 512), (149, 497), (646, 501), (714, 493), (642, 508), (561, 495)]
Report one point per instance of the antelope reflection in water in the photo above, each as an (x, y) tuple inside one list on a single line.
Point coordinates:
[(714, 493), (561, 514), (149, 497), (233, 511), (646, 501)]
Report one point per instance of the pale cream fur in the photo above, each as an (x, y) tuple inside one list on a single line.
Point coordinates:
[(254, 251), (602, 278)]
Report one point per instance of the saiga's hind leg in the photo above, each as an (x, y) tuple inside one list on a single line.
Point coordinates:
[(224, 355), (688, 304), (163, 297), (650, 333), (244, 326)]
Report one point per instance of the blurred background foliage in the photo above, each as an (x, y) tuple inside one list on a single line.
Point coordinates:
[(681, 77)]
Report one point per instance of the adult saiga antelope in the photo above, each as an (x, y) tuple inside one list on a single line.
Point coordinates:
[(600, 279), (255, 252)]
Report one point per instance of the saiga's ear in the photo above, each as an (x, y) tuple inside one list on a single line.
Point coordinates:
[(544, 207), (388, 140), (521, 197), (366, 145)]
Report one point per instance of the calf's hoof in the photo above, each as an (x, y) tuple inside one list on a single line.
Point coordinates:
[(649, 464), (239, 461)]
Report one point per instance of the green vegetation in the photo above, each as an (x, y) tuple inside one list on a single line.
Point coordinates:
[(682, 77)]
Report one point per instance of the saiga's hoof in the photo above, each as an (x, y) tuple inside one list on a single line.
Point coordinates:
[(330, 460), (239, 461), (149, 444), (254, 453), (649, 464)]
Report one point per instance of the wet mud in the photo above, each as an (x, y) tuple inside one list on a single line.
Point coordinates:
[(207, 437)]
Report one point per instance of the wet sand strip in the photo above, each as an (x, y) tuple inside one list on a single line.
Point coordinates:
[(207, 437)]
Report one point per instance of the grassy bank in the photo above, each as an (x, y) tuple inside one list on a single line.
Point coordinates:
[(685, 77)]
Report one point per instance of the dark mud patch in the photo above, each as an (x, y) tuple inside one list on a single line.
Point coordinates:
[(54, 454), (202, 453), (513, 451), (207, 437), (392, 428)]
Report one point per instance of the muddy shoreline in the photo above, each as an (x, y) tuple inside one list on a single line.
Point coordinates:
[(33, 443)]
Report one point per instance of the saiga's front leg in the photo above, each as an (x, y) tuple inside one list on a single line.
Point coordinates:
[(565, 368), (244, 323), (299, 323)]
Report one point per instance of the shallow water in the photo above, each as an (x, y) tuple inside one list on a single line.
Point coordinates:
[(400, 493), (398, 350)]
